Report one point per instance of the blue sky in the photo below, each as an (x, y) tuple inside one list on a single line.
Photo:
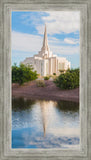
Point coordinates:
[(62, 29)]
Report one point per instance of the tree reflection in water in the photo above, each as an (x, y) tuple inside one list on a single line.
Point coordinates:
[(19, 104), (66, 106)]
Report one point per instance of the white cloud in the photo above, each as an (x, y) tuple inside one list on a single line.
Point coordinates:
[(65, 50), (71, 41), (26, 42), (64, 131), (60, 21), (33, 43)]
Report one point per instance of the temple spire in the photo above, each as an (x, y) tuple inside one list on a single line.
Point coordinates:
[(45, 50), (45, 41)]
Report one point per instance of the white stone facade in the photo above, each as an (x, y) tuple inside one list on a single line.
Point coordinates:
[(45, 63)]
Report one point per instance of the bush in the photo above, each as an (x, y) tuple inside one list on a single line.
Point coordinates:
[(68, 80), (54, 74), (46, 78), (40, 83), (61, 71), (22, 73)]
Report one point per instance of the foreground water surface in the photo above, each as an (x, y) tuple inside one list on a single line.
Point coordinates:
[(45, 124)]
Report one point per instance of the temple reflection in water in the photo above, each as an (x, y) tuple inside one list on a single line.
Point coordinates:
[(46, 107)]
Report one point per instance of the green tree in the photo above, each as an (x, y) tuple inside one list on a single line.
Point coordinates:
[(22, 73), (68, 80)]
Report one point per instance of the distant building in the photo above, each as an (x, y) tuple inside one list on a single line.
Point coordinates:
[(45, 63)]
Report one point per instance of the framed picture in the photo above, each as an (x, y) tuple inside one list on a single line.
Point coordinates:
[(45, 80)]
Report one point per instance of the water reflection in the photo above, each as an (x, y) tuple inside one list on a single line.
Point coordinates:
[(19, 104), (46, 107), (44, 124), (68, 106)]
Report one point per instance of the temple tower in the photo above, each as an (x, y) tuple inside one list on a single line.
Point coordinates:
[(45, 41), (45, 50)]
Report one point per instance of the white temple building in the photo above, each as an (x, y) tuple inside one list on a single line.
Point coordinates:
[(45, 63)]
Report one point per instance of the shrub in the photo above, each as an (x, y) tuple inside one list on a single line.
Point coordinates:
[(61, 71), (22, 73), (54, 74), (40, 83), (46, 78), (68, 80)]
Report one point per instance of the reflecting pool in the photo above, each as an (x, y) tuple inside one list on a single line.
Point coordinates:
[(45, 124)]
